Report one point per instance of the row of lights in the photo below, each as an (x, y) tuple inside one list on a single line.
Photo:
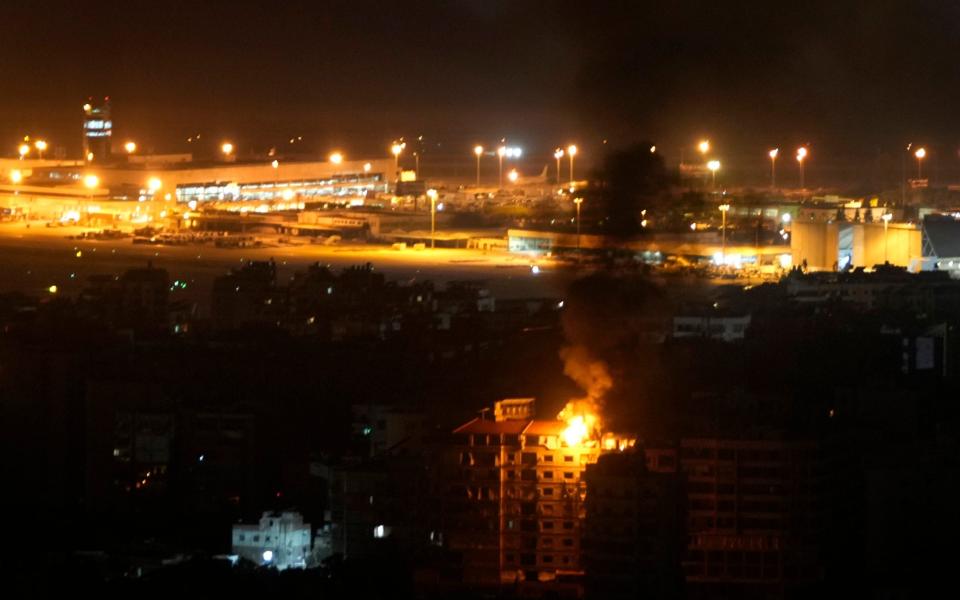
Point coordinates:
[(503, 151), (801, 156)]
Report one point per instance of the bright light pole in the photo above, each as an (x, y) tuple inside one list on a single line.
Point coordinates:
[(558, 154), (276, 176), (501, 152), (724, 208), (920, 154), (571, 152), (227, 149), (704, 147), (130, 147), (578, 202), (714, 166), (478, 151), (336, 158), (432, 194), (16, 178), (801, 156), (41, 146), (396, 149), (91, 182), (24, 150), (513, 175), (886, 222), (773, 166)]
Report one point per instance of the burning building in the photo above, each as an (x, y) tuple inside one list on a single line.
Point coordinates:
[(513, 495)]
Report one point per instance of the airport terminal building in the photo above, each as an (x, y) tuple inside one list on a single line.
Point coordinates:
[(129, 188), (254, 181)]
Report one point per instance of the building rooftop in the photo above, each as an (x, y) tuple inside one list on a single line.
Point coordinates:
[(545, 427), (513, 427), (486, 426)]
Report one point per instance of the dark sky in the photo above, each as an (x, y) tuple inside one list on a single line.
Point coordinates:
[(851, 78)]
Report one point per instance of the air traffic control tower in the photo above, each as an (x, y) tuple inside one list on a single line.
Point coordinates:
[(97, 130)]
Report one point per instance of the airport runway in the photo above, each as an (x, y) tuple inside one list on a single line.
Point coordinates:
[(34, 258)]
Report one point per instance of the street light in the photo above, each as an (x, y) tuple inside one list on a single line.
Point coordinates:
[(724, 208), (276, 176), (886, 222), (396, 149), (432, 194), (801, 155), (513, 176), (130, 147), (91, 182), (154, 184), (24, 150), (920, 154), (714, 166), (501, 152), (478, 150), (558, 154), (41, 146), (367, 167), (571, 152), (577, 202), (773, 166), (16, 176), (336, 158), (704, 147), (226, 148)]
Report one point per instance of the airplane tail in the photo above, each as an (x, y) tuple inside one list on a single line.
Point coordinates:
[(543, 173)]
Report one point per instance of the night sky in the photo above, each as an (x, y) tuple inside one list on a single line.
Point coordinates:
[(853, 79)]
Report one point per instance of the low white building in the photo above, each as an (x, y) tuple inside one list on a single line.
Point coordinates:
[(727, 328), (280, 540)]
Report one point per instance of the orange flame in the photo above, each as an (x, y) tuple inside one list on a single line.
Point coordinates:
[(582, 422), (592, 374)]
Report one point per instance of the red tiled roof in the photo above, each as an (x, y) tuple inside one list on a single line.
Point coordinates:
[(486, 426), (546, 427)]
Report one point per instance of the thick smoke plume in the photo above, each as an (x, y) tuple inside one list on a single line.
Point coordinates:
[(604, 318), (592, 375)]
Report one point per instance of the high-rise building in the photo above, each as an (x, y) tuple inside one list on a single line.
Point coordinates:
[(757, 515), (513, 498), (634, 532), (97, 130)]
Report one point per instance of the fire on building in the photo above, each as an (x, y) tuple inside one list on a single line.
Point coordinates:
[(515, 492)]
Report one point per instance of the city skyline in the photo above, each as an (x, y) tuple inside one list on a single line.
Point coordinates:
[(477, 298)]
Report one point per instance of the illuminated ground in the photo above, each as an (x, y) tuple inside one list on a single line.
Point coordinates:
[(34, 258)]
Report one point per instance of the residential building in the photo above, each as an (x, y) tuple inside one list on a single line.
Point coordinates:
[(513, 496), (280, 539), (634, 530)]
